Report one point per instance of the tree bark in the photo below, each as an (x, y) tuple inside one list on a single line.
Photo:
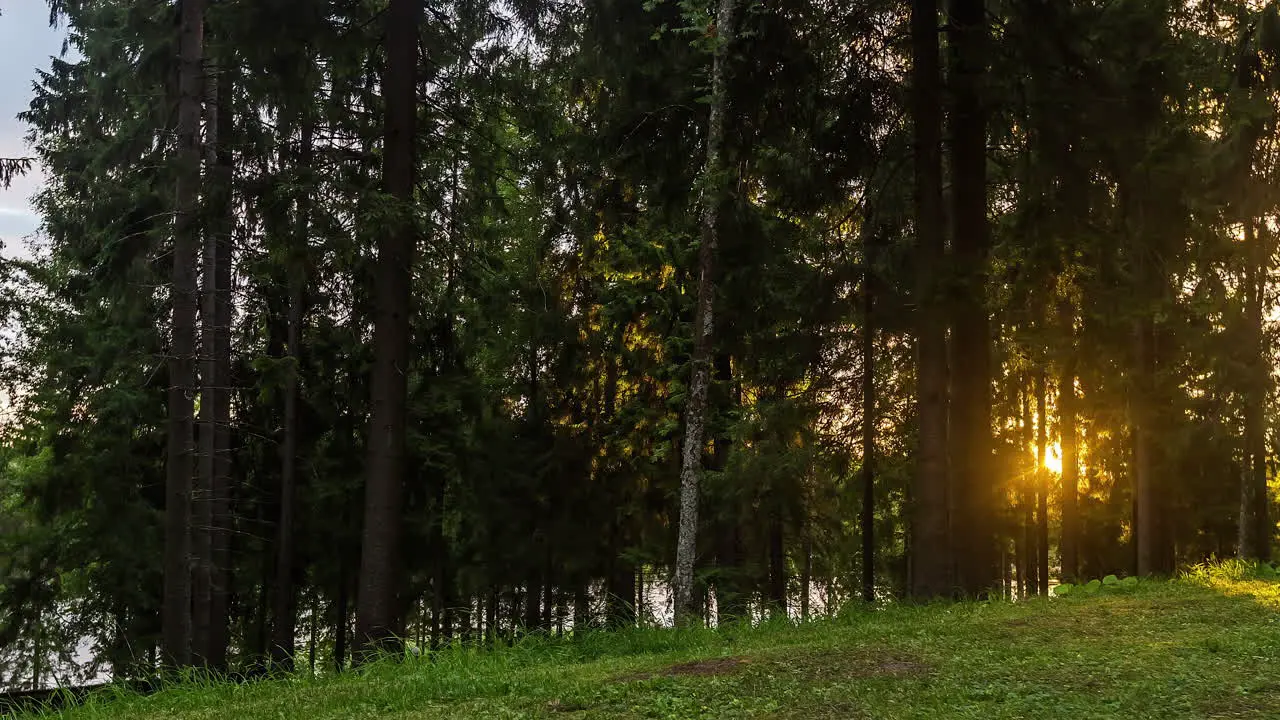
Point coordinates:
[(621, 594), (1255, 529), (532, 619), (929, 539), (1146, 520), (211, 500), (285, 597), (778, 579), (1030, 568), (441, 586), (224, 224), (686, 609), (731, 599), (1042, 487), (973, 541), (1070, 542), (314, 630), (340, 613), (806, 574), (377, 602), (202, 491), (581, 609), (176, 611), (868, 423)]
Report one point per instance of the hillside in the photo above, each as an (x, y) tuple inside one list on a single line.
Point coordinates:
[(1205, 646)]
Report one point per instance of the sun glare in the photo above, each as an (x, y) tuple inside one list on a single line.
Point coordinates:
[(1053, 458)]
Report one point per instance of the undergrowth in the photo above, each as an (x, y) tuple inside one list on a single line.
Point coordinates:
[(1206, 645)]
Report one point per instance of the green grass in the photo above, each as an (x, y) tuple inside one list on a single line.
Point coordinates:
[(1204, 646)]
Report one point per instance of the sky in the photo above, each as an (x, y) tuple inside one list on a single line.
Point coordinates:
[(26, 43)]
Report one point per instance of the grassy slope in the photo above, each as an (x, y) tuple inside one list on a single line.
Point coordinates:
[(1202, 647)]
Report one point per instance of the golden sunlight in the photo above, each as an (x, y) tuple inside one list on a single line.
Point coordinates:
[(1053, 458)]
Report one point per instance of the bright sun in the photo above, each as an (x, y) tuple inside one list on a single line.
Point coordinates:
[(1053, 458)]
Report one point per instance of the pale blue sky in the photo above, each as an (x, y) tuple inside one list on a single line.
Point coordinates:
[(26, 43)]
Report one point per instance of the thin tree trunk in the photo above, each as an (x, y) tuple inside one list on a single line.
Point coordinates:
[(202, 491), (729, 594), (778, 579), (180, 468), (868, 424), (1146, 521), (1255, 529), (37, 650), (929, 537), (581, 610), (621, 593), (532, 619), (440, 594), (1030, 569), (258, 644), (340, 612), (491, 617), (806, 574), (974, 493), (1069, 545), (686, 609), (1004, 570), (642, 587), (1042, 488), (549, 593), (311, 646), (211, 499), (285, 601), (380, 579), (224, 224)]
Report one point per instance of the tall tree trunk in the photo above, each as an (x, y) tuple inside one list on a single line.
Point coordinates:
[(341, 612), (620, 592), (532, 620), (1146, 520), (731, 599), (284, 596), (929, 539), (211, 500), (182, 384), (686, 610), (973, 541), (441, 590), (202, 491), (378, 602), (1255, 529), (223, 216), (868, 423), (778, 579), (491, 617), (1030, 568), (314, 630), (37, 650), (1042, 487), (1069, 545), (642, 597), (806, 574), (581, 609)]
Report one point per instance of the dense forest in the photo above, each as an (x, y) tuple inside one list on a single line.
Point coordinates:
[(362, 325)]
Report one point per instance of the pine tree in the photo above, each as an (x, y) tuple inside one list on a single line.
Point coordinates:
[(182, 351), (930, 531), (379, 613)]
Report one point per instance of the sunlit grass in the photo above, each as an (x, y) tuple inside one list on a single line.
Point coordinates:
[(1204, 646)]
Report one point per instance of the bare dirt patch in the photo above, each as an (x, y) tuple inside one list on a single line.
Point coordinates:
[(697, 668), (896, 668), (852, 664)]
